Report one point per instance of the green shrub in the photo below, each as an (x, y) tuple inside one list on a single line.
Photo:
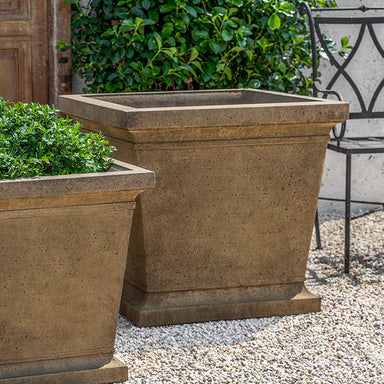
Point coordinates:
[(142, 45), (35, 142)]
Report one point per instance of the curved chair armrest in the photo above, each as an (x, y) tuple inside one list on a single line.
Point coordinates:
[(305, 9), (339, 136)]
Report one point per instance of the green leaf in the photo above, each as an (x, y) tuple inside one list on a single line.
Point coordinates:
[(158, 39), (156, 71), (232, 11), (201, 34), (191, 11), (219, 11), (264, 43), (180, 25), (123, 28), (116, 58), (152, 44), (344, 41), (108, 33), (171, 41), (146, 4), (274, 21), (136, 66), (167, 8), (227, 35), (167, 80), (112, 76), (167, 30), (147, 72), (214, 46), (228, 72), (231, 23), (287, 8), (137, 11), (138, 20), (186, 19), (187, 67), (197, 65), (62, 45), (106, 42), (254, 83), (194, 54), (148, 22), (87, 51), (171, 52)]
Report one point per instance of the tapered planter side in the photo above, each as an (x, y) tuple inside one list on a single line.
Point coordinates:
[(226, 233), (63, 249)]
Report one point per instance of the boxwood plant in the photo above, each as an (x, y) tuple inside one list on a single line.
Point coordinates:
[(34, 141), (141, 45)]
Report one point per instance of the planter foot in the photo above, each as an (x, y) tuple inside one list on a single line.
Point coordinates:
[(114, 371), (239, 303)]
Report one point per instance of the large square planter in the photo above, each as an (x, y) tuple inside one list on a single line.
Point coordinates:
[(64, 242), (226, 233)]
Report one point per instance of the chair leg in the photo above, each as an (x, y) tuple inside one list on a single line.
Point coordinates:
[(317, 229), (347, 213)]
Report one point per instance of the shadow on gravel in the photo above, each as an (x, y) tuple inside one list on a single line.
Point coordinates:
[(136, 340), (370, 268), (365, 268)]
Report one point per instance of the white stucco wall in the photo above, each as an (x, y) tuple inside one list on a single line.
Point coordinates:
[(367, 70), (77, 84), (367, 171)]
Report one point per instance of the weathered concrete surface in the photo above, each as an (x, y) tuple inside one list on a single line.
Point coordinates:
[(226, 233), (63, 256)]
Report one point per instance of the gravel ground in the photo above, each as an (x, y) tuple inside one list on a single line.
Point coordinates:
[(344, 343)]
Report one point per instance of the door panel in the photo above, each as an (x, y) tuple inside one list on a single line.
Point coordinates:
[(14, 9), (29, 31), (16, 71)]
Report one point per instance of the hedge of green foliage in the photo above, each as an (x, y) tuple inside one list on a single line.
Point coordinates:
[(142, 45), (35, 142)]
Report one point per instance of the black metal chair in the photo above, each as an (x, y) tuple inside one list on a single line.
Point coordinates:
[(351, 145)]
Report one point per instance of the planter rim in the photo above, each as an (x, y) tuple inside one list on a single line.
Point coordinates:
[(272, 108), (121, 177), (300, 98)]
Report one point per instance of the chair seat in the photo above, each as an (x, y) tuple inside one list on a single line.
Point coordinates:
[(352, 145)]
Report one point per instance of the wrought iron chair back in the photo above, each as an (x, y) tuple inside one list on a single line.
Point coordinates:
[(366, 110)]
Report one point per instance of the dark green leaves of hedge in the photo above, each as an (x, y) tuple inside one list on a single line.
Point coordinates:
[(142, 45), (35, 142)]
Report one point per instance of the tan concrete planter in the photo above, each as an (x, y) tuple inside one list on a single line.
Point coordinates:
[(63, 250), (226, 233)]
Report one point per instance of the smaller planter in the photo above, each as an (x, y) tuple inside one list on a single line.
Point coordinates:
[(63, 251)]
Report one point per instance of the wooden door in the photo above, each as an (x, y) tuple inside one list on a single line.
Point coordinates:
[(29, 30)]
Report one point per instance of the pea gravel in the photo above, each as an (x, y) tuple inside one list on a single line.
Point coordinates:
[(344, 343)]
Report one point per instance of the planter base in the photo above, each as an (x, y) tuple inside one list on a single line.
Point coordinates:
[(114, 371), (152, 309)]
